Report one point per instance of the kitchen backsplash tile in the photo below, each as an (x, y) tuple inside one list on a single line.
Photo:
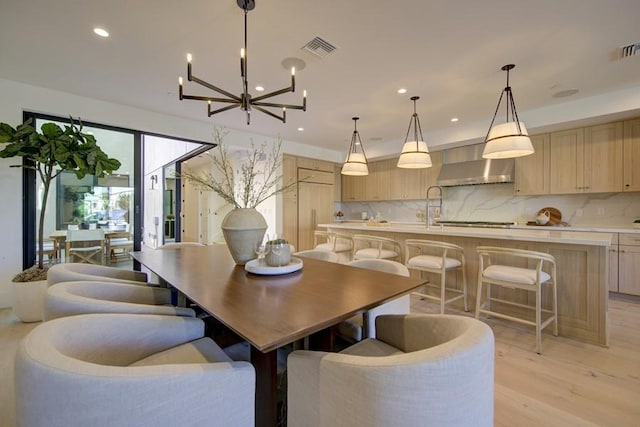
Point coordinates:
[(496, 202)]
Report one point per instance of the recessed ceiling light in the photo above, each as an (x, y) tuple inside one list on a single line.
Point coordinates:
[(300, 129), (454, 119), (259, 88), (101, 32), (402, 90)]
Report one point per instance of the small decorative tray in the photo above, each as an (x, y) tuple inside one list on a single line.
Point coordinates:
[(254, 266)]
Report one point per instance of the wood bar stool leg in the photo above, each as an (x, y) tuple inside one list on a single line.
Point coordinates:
[(539, 320), (464, 284), (443, 277)]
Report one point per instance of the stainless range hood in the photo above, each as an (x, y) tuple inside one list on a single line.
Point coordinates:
[(465, 166)]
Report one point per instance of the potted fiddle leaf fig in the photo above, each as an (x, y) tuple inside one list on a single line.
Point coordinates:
[(49, 152)]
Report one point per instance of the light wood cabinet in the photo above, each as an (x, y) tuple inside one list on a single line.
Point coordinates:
[(532, 171), (353, 188), (405, 184), (309, 202), (431, 174), (337, 183), (603, 147), (629, 264), (315, 164), (613, 264), (565, 171), (631, 155), (377, 183), (315, 207), (290, 200), (586, 160)]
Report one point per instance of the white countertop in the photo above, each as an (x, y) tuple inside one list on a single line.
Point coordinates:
[(566, 235), (596, 228)]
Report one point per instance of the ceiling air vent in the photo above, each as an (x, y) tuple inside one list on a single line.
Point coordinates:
[(319, 47), (630, 50)]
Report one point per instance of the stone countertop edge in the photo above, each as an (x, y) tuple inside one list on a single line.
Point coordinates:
[(527, 234)]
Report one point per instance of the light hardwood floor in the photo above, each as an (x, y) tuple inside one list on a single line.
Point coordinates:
[(570, 384)]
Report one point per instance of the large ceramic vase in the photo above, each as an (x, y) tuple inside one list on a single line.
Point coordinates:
[(242, 229), (28, 300)]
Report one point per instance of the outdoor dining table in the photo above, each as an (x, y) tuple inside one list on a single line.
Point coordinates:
[(271, 311)]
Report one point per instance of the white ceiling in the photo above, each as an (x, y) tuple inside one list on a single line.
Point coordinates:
[(448, 52)]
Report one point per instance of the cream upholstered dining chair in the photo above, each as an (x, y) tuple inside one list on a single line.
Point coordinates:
[(438, 258), (85, 246), (421, 370), (320, 254), (68, 272), (85, 297), (341, 244), (363, 326), (497, 267), (367, 247), (104, 370)]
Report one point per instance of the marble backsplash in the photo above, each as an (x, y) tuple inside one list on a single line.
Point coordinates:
[(496, 202)]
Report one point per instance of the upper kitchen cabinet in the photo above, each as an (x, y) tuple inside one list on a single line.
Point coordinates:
[(353, 188), (603, 147), (532, 171), (378, 182), (406, 184), (431, 174), (315, 164), (412, 184), (586, 160), (566, 161), (632, 155)]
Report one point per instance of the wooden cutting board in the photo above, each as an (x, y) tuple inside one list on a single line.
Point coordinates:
[(555, 216)]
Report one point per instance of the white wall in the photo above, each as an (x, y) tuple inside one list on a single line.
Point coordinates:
[(18, 97)]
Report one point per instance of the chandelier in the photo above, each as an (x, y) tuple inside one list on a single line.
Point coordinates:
[(244, 101), (356, 162), (415, 152), (509, 139)]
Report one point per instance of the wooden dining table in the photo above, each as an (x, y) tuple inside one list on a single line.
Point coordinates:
[(271, 311)]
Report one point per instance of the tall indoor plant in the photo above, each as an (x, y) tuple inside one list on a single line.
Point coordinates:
[(50, 152), (255, 179)]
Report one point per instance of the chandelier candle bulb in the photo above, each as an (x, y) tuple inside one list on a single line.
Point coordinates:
[(180, 88)]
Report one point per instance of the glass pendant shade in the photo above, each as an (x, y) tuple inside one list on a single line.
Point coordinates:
[(356, 162), (415, 154), (508, 140)]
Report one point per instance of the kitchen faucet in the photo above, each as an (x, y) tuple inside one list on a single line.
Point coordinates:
[(431, 203)]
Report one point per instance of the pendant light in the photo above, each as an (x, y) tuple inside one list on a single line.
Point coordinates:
[(509, 139), (356, 161), (415, 153)]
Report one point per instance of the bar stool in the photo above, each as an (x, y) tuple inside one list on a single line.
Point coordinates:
[(341, 244), (438, 258), (529, 279), (368, 247)]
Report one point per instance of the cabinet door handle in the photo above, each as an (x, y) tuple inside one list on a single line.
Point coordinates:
[(313, 218)]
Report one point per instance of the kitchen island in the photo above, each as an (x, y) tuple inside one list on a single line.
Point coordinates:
[(582, 260)]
